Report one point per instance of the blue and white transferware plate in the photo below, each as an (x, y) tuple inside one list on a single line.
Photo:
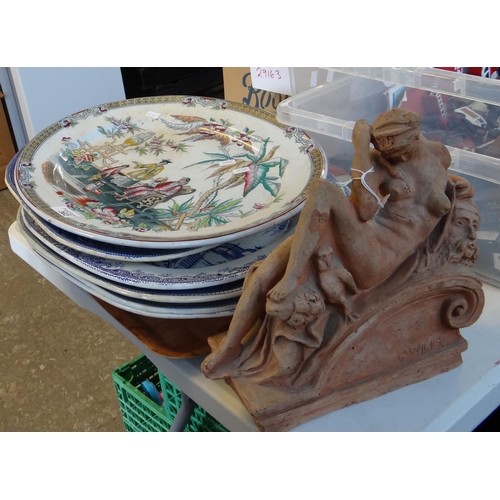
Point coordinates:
[(180, 310), (111, 251), (188, 296), (202, 270), (171, 171), (218, 254)]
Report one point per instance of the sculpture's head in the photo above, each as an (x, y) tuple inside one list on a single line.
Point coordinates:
[(454, 240), (462, 225), (395, 132), (463, 229), (299, 310)]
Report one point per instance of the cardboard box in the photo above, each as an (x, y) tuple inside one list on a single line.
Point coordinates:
[(238, 88), (7, 148)]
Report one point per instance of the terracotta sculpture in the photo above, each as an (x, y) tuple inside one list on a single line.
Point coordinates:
[(368, 294)]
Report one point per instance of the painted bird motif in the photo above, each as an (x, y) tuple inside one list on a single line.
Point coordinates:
[(200, 129)]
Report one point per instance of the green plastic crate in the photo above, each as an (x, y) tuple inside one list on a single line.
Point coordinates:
[(141, 414)]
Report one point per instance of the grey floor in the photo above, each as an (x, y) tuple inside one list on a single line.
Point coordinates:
[(56, 359)]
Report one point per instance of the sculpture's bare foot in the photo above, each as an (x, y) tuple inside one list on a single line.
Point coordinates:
[(283, 289), (217, 359)]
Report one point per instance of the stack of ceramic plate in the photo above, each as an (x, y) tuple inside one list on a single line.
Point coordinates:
[(160, 205)]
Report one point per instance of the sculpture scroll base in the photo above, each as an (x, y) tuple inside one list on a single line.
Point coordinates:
[(407, 336), (274, 410)]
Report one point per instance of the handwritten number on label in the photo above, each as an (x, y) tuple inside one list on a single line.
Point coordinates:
[(268, 73)]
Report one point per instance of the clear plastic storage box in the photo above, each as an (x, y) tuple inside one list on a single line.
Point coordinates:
[(458, 110)]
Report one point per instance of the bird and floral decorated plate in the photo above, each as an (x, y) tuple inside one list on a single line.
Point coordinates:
[(168, 171), (112, 251), (95, 247)]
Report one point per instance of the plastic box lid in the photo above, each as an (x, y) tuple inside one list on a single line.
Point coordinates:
[(457, 109)]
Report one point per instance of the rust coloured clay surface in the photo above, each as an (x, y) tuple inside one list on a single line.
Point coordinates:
[(370, 292)]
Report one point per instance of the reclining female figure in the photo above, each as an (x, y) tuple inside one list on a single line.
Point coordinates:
[(398, 196)]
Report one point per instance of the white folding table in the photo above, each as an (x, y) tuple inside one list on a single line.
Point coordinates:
[(458, 400)]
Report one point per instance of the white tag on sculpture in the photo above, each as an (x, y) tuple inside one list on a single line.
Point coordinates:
[(152, 114), (271, 79)]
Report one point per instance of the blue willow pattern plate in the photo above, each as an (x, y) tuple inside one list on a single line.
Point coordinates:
[(146, 308), (196, 271), (111, 251), (151, 309), (95, 284), (171, 171)]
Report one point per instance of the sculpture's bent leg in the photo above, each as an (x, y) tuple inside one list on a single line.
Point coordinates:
[(260, 279), (323, 199), (328, 215)]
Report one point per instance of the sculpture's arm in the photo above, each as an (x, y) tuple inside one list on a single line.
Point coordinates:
[(366, 202)]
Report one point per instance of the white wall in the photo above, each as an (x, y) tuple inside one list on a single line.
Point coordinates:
[(12, 107), (47, 95)]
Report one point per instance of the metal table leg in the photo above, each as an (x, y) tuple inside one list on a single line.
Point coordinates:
[(183, 415)]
